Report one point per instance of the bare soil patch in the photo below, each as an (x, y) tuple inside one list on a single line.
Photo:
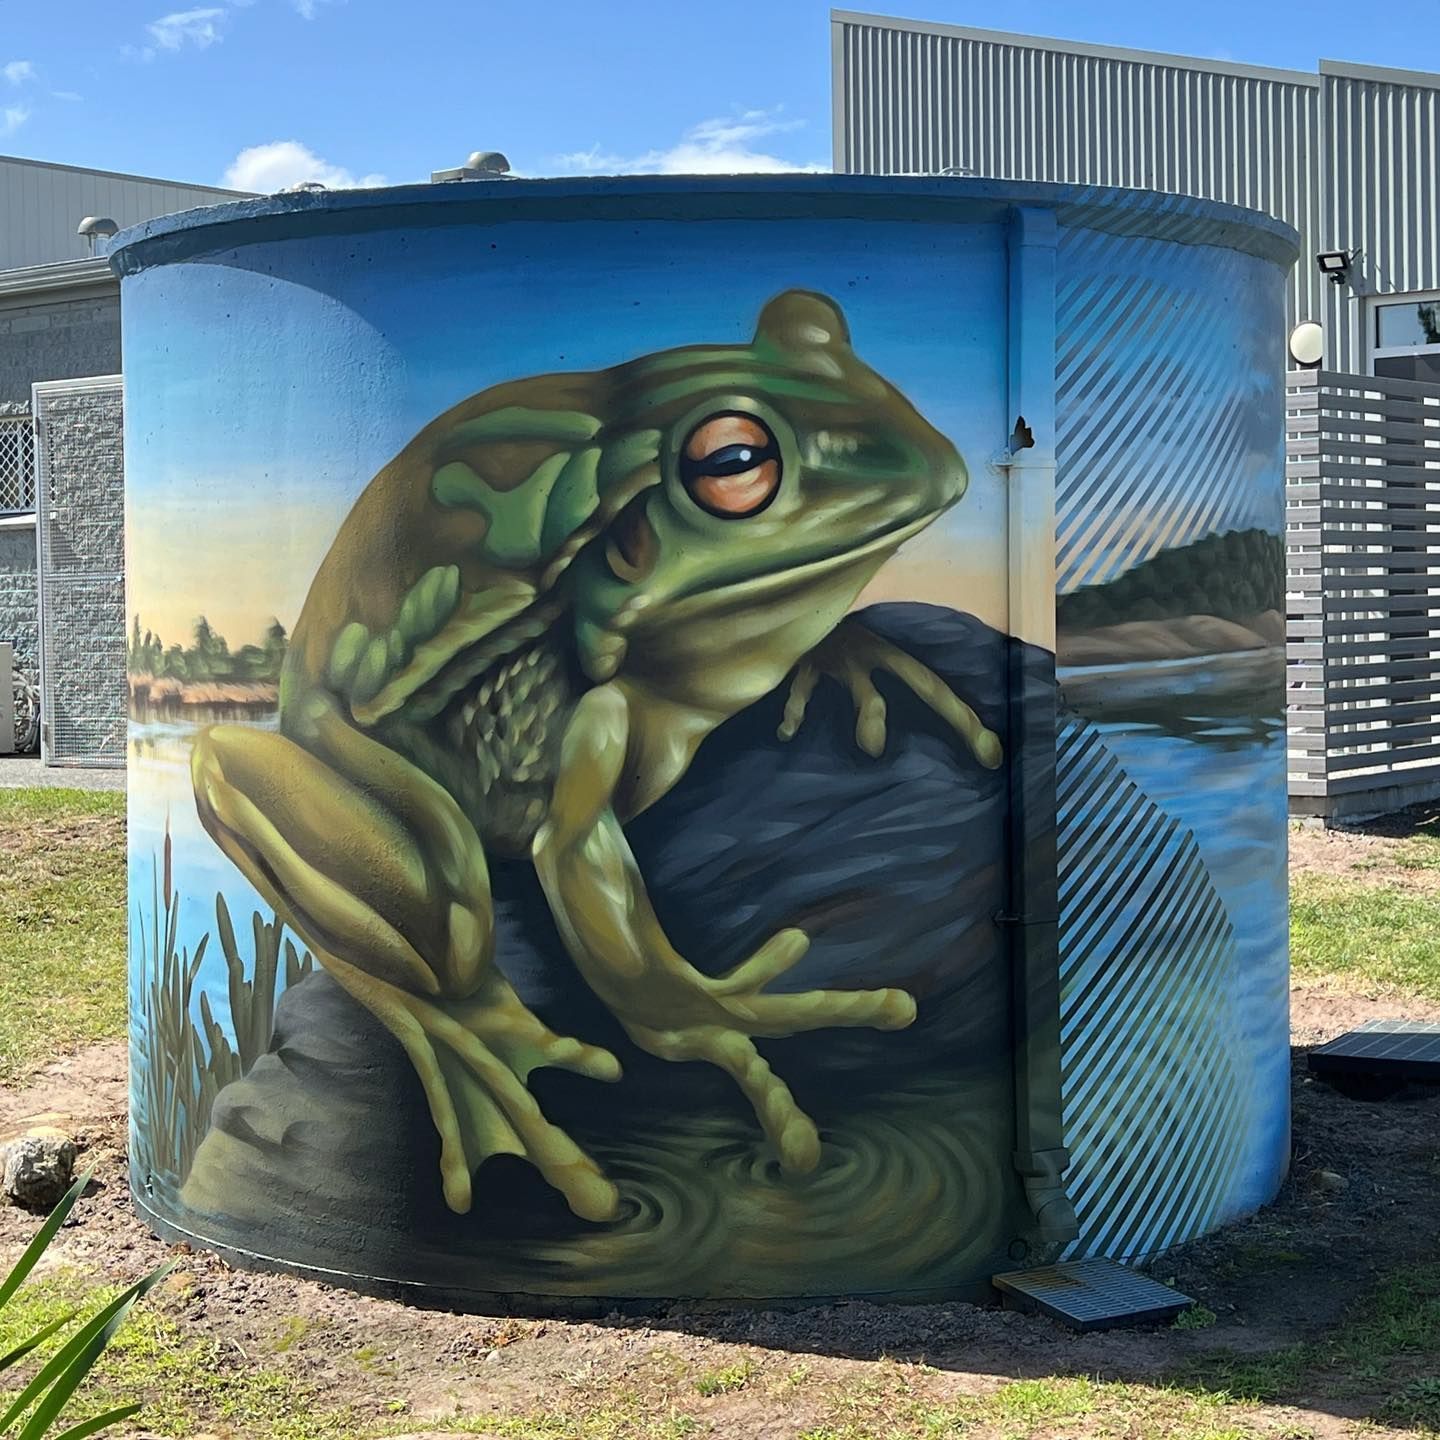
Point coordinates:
[(1362, 1200), (1401, 849)]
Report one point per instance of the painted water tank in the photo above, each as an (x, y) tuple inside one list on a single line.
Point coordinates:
[(705, 737)]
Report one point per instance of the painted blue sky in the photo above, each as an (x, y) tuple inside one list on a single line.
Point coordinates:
[(259, 407), (261, 93)]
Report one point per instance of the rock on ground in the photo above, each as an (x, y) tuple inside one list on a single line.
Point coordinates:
[(38, 1169)]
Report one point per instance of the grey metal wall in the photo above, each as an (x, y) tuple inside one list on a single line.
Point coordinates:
[(41, 204), (1382, 136), (1348, 156)]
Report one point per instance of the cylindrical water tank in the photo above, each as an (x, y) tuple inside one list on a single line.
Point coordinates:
[(705, 737)]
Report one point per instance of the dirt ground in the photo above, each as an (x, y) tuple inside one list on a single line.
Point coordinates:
[(1363, 1199)]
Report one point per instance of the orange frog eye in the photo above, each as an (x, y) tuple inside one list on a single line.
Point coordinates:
[(731, 465)]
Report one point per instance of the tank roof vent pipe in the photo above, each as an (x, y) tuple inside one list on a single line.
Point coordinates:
[(482, 165)]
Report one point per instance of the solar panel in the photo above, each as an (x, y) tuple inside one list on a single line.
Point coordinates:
[(1091, 1295), (1396, 1051)]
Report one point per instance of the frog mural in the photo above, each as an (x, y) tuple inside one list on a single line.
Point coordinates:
[(524, 631)]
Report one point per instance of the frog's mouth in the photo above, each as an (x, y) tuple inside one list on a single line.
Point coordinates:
[(868, 557)]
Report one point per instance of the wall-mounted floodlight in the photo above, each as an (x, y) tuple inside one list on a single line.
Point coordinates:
[(1335, 265), (96, 227)]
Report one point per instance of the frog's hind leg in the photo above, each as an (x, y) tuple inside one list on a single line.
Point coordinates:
[(388, 886), (852, 654), (476, 1091)]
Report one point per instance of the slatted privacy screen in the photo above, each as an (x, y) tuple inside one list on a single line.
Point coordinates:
[(17, 464), (1363, 542)]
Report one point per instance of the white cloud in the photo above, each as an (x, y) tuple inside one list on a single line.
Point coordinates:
[(200, 28), (66, 95), (12, 118), (724, 145), (282, 163), (17, 72), (309, 9)]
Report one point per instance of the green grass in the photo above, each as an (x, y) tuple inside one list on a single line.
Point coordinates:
[(1371, 937), (722, 1382), (1388, 1347), (1420, 851), (62, 924), (189, 1384)]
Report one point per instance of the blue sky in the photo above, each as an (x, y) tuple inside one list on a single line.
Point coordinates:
[(261, 93)]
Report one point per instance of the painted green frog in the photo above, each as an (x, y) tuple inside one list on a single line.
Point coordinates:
[(527, 624)]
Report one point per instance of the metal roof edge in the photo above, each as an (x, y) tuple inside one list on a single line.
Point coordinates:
[(1381, 74), (57, 275), (1076, 47), (124, 175)]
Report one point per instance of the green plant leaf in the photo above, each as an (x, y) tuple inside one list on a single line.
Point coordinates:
[(36, 1248), (99, 1422), (59, 1377), (37, 1339)]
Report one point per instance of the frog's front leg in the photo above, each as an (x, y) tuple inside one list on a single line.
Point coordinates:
[(387, 884), (852, 654), (667, 1006)]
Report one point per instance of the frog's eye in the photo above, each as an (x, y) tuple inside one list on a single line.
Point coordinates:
[(731, 465)]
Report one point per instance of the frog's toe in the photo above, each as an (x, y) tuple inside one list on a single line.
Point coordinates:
[(988, 750), (799, 1145), (790, 1014), (807, 676), (588, 1060), (588, 1193), (870, 715)]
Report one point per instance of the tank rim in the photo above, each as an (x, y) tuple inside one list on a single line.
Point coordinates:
[(299, 215)]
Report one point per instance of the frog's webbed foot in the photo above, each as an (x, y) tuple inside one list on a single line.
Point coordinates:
[(389, 887), (718, 1019), (473, 1058), (852, 654)]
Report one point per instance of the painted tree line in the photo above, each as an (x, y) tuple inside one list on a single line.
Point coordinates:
[(208, 656), (1235, 576)]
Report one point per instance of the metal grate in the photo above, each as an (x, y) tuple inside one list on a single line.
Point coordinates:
[(1091, 1295), (17, 464), (81, 475)]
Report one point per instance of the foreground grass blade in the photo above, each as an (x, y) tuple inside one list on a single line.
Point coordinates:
[(99, 1422), (36, 1340), (58, 1379), (36, 1248)]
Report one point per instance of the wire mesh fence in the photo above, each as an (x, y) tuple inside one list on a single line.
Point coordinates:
[(82, 571), (17, 464)]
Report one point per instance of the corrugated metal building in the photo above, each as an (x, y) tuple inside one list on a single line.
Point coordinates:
[(59, 303), (59, 321), (1350, 155)]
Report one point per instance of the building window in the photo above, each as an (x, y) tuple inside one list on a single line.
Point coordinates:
[(17, 464), (1405, 338)]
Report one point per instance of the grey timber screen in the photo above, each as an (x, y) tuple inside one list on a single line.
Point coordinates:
[(1363, 541)]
